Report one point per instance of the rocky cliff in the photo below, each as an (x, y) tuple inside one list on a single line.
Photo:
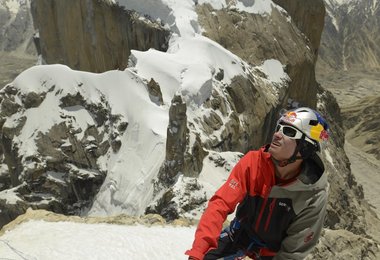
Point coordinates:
[(92, 35), (254, 38)]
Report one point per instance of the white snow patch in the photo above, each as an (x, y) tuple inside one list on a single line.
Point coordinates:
[(179, 16), (10, 196), (274, 71), (328, 157), (263, 7), (56, 176), (77, 241), (13, 6)]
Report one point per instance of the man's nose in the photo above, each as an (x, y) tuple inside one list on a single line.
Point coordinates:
[(278, 135)]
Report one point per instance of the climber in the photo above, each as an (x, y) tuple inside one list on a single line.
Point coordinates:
[(280, 192)]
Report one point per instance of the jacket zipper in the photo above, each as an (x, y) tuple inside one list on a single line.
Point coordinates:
[(271, 207), (261, 212)]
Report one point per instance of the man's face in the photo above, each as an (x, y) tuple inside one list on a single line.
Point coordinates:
[(282, 147)]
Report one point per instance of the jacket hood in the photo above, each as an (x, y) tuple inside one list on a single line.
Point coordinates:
[(312, 176)]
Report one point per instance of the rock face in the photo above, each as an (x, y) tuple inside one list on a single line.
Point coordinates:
[(359, 247), (250, 36), (92, 35), (175, 143), (309, 17)]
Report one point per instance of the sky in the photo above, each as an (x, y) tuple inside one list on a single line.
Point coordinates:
[(188, 69)]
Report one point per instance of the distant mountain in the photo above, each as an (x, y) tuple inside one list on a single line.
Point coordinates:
[(351, 35), (16, 33), (363, 120), (350, 48)]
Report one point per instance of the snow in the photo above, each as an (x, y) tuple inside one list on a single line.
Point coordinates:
[(328, 157), (10, 196), (13, 6), (187, 67), (256, 7), (56, 176), (43, 240), (216, 176), (342, 2), (180, 16), (216, 4), (274, 70), (374, 6), (330, 10)]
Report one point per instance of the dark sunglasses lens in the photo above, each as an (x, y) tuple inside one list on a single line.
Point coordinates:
[(277, 128), (288, 131)]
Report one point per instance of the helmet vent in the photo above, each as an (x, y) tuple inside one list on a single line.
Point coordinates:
[(313, 122)]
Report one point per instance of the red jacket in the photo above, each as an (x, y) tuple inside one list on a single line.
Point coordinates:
[(271, 212)]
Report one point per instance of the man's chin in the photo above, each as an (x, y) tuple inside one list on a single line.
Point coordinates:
[(272, 151)]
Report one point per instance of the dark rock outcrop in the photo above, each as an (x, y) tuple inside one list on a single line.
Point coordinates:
[(175, 143), (155, 93), (92, 35)]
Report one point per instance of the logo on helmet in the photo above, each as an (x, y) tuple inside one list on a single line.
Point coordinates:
[(319, 133), (290, 116), (324, 135)]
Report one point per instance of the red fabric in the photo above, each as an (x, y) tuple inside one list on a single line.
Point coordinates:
[(254, 173), (266, 252)]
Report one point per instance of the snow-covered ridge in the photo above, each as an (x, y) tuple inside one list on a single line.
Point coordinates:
[(181, 17), (189, 68)]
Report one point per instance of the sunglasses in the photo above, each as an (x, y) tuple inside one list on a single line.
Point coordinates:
[(289, 131), (292, 132)]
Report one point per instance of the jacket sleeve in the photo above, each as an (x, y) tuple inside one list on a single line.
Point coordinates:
[(222, 203), (304, 232)]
